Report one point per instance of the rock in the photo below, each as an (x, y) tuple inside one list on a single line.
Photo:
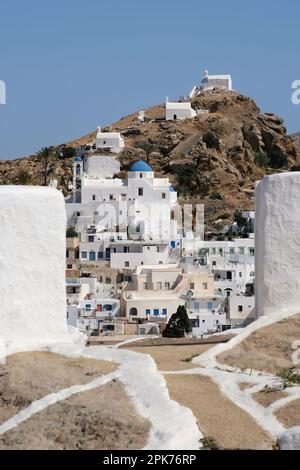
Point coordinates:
[(290, 439)]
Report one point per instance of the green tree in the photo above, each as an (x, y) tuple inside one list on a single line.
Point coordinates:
[(240, 220), (67, 152), (71, 232), (178, 325), (46, 156)]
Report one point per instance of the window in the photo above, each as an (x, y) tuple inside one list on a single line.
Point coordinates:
[(108, 280), (148, 311), (160, 262), (91, 239), (209, 306), (156, 312), (144, 285), (126, 264), (69, 266), (192, 285), (157, 249), (252, 274), (214, 263), (204, 285), (84, 254), (240, 274), (100, 278), (167, 285), (163, 195), (133, 311), (241, 250), (164, 311), (111, 196), (123, 197), (213, 251), (231, 251), (251, 251), (240, 308), (140, 191), (92, 256), (100, 254), (94, 197), (141, 175)]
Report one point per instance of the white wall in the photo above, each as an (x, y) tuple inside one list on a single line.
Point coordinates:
[(175, 110), (100, 165), (238, 302), (277, 233), (32, 267)]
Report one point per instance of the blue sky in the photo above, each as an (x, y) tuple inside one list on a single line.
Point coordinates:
[(71, 65)]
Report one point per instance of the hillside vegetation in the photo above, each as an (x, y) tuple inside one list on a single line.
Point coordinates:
[(214, 159)]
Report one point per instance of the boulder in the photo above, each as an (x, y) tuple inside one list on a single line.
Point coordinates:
[(290, 439)]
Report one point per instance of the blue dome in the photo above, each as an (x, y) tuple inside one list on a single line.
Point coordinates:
[(77, 159), (141, 166)]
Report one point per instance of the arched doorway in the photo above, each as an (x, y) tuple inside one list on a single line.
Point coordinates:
[(133, 312)]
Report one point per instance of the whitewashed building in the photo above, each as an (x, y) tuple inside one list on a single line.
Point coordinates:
[(209, 82), (113, 141), (141, 202), (179, 111), (242, 309)]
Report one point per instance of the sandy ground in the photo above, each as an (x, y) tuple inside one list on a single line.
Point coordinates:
[(29, 376), (266, 398), (268, 349), (218, 418), (169, 358), (289, 415), (103, 418), (179, 341)]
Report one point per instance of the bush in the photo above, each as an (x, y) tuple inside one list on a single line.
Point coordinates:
[(71, 232), (178, 325), (216, 197), (262, 159), (23, 177), (289, 377), (279, 159)]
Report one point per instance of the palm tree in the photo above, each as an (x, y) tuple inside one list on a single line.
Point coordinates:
[(23, 177), (45, 155)]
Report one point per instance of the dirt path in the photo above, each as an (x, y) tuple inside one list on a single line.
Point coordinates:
[(173, 357), (219, 419)]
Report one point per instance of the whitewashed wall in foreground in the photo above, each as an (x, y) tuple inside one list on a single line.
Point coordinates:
[(32, 267), (277, 237)]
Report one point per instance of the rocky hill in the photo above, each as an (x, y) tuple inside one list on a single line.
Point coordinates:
[(214, 159)]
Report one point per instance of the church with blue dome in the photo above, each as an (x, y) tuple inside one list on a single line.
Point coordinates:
[(141, 166), (148, 201)]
